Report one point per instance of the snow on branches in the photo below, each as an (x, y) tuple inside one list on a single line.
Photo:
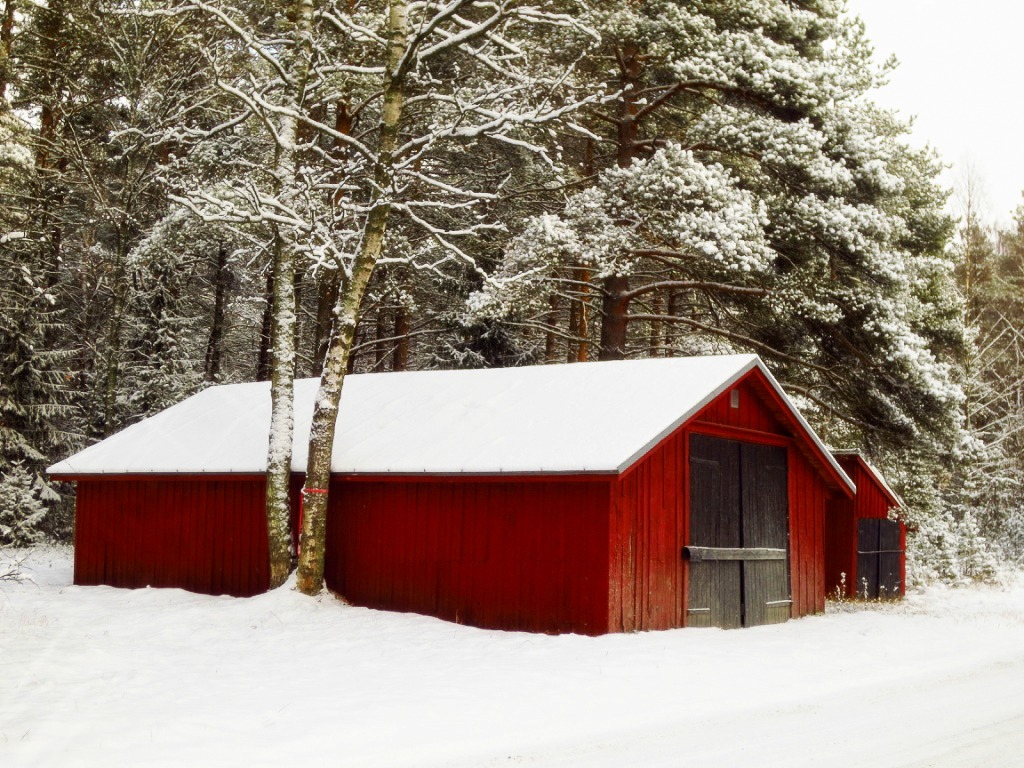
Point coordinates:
[(672, 204)]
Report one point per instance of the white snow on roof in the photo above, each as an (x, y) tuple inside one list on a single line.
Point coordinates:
[(589, 417)]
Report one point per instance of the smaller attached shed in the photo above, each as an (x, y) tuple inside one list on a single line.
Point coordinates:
[(864, 548), (589, 498)]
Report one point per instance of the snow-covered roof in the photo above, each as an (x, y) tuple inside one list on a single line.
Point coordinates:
[(579, 418), (894, 498)]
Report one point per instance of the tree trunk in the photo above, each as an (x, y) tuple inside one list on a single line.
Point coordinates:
[(50, 162), (400, 357), (266, 324), (282, 347), (615, 308), (615, 317), (572, 349), (330, 280), (551, 337), (297, 328), (380, 332), (654, 335), (310, 575), (282, 380), (327, 297), (112, 365), (630, 70), (213, 346), (673, 308), (583, 316), (6, 48)]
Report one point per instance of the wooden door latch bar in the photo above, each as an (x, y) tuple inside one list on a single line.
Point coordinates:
[(702, 554)]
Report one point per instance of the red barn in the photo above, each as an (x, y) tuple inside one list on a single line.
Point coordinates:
[(864, 549), (592, 498)]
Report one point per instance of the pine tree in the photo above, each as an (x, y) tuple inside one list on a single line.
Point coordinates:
[(22, 510), (757, 201), (32, 399)]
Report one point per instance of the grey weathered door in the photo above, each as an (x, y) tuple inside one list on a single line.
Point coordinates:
[(739, 534), (889, 558), (878, 558), (764, 480), (867, 559), (715, 598)]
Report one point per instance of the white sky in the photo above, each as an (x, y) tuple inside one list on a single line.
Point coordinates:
[(960, 76)]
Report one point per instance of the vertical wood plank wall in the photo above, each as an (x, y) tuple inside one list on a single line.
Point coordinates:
[(843, 514), (203, 535), (808, 492), (526, 554), (648, 579), (551, 554), (841, 540), (753, 413), (807, 500), (646, 574)]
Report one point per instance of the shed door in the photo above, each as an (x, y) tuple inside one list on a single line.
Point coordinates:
[(739, 534), (878, 558)]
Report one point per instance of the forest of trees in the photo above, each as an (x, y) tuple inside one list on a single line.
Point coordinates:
[(207, 191)]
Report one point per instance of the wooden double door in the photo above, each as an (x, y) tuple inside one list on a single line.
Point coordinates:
[(878, 559), (739, 534)]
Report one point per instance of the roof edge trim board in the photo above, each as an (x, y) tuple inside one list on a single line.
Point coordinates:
[(738, 433), (367, 476), (470, 477), (211, 476)]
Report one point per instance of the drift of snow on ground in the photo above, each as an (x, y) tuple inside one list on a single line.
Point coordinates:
[(96, 676)]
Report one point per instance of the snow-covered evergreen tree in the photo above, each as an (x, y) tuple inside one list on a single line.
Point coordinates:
[(23, 507), (32, 398), (755, 118), (728, 185)]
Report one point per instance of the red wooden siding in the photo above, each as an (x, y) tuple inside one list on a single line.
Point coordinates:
[(586, 554), (841, 544), (524, 554), (650, 516), (807, 499), (648, 528), (871, 502), (753, 412), (808, 492), (207, 536)]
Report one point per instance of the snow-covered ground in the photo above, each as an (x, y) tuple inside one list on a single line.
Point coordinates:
[(101, 676)]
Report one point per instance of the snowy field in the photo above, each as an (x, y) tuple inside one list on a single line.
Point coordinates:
[(101, 676)]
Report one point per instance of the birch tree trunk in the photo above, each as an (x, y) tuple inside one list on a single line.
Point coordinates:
[(282, 347), (310, 575)]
